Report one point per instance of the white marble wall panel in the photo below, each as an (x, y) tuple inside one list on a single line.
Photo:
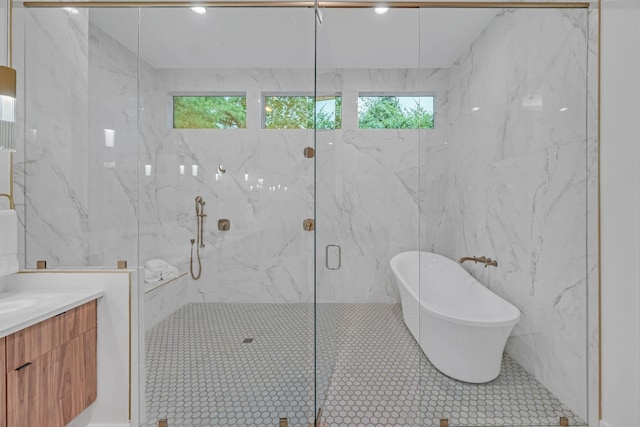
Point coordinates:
[(164, 300), (266, 191), (113, 147), (268, 188), (56, 173), (519, 181), (368, 184)]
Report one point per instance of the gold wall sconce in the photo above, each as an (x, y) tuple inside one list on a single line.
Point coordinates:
[(7, 108), (8, 91)]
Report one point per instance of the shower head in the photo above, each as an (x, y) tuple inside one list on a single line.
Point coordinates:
[(199, 205)]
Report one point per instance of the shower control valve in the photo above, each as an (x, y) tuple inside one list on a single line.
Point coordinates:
[(224, 224)]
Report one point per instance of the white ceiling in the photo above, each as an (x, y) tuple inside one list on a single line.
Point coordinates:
[(284, 37)]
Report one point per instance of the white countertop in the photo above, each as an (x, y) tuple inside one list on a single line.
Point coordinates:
[(19, 310)]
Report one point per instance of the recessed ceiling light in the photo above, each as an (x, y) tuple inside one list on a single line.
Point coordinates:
[(199, 10), (564, 108), (475, 109), (381, 10)]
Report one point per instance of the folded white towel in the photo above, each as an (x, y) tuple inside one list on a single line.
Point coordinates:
[(170, 273), (8, 242), (156, 265), (151, 277)]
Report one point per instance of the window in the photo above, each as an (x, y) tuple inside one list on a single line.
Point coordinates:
[(395, 112), (209, 112), (297, 112)]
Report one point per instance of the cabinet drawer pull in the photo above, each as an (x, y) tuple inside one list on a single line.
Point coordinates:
[(57, 315), (23, 366)]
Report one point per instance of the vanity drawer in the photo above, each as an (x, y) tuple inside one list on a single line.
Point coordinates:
[(54, 388), (36, 340)]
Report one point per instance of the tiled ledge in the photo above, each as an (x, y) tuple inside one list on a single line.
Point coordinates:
[(148, 287)]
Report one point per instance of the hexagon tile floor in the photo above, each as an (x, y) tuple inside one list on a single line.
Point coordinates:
[(250, 364)]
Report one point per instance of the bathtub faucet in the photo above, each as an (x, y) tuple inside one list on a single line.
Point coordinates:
[(483, 259)]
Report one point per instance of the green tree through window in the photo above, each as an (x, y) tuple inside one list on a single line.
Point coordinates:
[(297, 112), (209, 112), (394, 112)]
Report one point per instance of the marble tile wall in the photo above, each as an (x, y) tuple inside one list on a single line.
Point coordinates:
[(56, 169), (113, 150), (266, 191), (369, 186), (162, 301), (266, 256), (367, 189), (518, 184)]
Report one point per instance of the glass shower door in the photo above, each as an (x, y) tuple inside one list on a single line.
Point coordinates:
[(367, 211), (462, 133), (219, 121)]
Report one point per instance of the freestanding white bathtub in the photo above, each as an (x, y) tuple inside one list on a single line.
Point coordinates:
[(461, 326)]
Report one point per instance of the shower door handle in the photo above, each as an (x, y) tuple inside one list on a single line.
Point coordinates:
[(333, 257)]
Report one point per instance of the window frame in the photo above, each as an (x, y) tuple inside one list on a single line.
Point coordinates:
[(396, 94), (293, 94), (173, 95)]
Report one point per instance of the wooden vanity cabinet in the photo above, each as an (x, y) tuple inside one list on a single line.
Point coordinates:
[(3, 384), (51, 371)]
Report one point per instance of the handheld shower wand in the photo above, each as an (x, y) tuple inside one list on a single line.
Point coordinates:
[(200, 215)]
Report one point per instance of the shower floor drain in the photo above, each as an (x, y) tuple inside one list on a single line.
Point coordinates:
[(247, 340)]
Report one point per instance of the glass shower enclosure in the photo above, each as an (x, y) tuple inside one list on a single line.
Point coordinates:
[(313, 145), (466, 136)]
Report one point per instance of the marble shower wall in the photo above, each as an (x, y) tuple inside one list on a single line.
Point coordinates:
[(80, 179), (266, 191), (367, 189), (518, 184), (54, 174), (113, 149)]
